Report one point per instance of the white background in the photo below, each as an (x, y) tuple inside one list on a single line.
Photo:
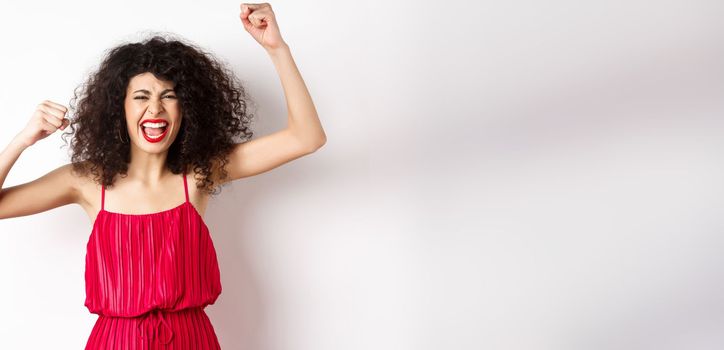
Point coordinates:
[(498, 175)]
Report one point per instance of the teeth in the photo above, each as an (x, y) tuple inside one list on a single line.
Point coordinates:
[(154, 125)]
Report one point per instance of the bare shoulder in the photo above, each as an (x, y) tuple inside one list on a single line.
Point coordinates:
[(84, 182), (79, 180)]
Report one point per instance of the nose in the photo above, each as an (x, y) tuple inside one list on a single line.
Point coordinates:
[(154, 106)]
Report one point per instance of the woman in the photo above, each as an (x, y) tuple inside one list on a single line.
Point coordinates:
[(154, 112)]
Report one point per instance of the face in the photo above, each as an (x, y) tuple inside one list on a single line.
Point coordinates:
[(149, 99)]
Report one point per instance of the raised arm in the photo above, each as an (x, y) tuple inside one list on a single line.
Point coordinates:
[(304, 133), (56, 188)]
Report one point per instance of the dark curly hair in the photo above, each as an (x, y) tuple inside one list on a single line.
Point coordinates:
[(212, 100)]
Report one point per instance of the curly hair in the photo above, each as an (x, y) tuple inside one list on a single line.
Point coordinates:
[(212, 100)]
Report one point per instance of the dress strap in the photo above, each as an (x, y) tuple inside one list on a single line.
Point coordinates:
[(186, 187), (103, 195)]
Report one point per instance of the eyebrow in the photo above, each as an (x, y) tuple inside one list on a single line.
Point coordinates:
[(148, 93)]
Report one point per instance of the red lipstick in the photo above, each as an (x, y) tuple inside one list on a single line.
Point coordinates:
[(154, 139)]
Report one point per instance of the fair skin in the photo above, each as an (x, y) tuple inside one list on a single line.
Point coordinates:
[(150, 187)]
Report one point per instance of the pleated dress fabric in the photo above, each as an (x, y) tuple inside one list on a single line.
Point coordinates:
[(149, 278)]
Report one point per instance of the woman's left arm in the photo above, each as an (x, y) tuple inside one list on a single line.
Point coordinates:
[(304, 133), (302, 119)]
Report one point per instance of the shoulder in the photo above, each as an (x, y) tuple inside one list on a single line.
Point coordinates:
[(79, 178), (69, 175)]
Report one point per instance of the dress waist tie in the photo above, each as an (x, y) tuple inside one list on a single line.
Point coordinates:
[(155, 331)]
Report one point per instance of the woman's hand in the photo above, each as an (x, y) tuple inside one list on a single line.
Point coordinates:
[(259, 21), (47, 118)]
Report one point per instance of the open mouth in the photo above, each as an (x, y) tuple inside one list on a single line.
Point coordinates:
[(154, 131)]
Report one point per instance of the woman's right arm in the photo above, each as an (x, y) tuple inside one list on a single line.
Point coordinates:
[(56, 188)]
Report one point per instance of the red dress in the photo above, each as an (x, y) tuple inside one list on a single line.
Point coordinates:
[(149, 278)]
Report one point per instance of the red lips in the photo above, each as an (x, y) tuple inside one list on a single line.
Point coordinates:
[(160, 137)]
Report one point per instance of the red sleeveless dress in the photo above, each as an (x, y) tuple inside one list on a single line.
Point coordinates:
[(149, 278)]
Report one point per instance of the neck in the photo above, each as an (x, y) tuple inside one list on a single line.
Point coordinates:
[(147, 168)]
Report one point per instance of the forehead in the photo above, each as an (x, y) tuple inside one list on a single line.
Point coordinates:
[(149, 82)]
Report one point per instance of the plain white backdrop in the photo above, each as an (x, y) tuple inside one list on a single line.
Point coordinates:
[(498, 175)]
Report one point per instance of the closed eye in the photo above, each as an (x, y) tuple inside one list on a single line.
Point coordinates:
[(144, 97)]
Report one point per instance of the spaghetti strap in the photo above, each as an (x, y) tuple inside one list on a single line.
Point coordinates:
[(103, 195), (186, 187)]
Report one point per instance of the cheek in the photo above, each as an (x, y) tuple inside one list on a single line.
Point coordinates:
[(131, 116)]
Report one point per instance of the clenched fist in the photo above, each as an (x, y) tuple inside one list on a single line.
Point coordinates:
[(47, 118), (260, 22)]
